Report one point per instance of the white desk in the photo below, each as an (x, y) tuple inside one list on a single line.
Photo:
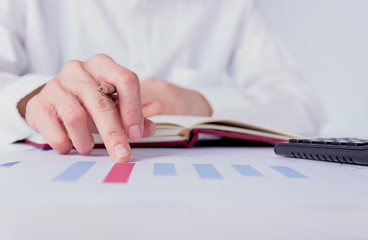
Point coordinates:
[(222, 199)]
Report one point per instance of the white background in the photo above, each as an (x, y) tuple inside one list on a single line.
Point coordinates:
[(328, 39)]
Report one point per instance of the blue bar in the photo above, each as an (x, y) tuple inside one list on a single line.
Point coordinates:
[(9, 164), (74, 172), (33, 149), (288, 172), (207, 171), (247, 170), (164, 169)]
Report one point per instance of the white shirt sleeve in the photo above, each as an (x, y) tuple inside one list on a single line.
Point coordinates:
[(261, 85), (264, 86), (13, 63)]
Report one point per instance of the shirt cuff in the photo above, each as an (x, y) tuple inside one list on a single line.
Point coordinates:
[(13, 127)]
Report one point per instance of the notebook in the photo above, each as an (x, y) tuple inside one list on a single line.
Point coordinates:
[(178, 130)]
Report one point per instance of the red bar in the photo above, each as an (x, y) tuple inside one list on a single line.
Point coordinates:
[(119, 173)]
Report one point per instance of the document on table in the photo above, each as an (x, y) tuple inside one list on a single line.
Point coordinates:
[(178, 176), (178, 193)]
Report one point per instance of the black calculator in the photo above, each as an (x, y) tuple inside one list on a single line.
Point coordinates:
[(339, 150)]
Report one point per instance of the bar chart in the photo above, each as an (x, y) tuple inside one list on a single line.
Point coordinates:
[(120, 172), (173, 187)]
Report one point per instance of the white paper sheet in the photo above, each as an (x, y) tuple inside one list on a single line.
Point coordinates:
[(321, 192)]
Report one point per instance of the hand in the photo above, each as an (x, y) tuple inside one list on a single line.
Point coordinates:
[(160, 97), (67, 103)]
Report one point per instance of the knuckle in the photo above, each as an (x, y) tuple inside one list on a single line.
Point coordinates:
[(103, 104), (128, 78), (73, 116), (36, 109), (54, 83), (100, 57), (133, 114), (73, 65), (50, 111), (113, 135), (71, 73)]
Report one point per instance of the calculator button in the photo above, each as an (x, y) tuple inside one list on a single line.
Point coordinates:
[(318, 141), (351, 144)]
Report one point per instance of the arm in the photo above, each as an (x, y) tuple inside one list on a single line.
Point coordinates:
[(161, 97), (14, 82)]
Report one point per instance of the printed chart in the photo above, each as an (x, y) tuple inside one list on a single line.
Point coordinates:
[(120, 172), (217, 193), (181, 175)]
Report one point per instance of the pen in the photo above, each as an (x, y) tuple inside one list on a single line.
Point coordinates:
[(106, 89)]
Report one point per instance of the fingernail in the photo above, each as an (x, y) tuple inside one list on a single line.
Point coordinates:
[(120, 151), (135, 133)]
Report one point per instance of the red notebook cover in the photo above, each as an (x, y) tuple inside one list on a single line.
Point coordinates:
[(193, 138)]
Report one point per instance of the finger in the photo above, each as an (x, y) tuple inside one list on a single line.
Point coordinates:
[(45, 120), (105, 116), (149, 128), (75, 121), (105, 70), (101, 108)]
